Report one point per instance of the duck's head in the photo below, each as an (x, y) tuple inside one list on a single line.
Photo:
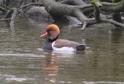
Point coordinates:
[(52, 32)]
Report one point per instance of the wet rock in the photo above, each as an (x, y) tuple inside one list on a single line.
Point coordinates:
[(39, 14)]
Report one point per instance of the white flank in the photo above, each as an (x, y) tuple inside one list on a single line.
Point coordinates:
[(68, 50)]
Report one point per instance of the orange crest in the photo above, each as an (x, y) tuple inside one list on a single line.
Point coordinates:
[(53, 27)]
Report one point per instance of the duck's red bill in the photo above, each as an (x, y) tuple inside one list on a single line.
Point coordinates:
[(44, 34)]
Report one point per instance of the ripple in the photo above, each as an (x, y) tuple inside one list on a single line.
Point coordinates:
[(21, 55), (101, 82), (18, 79), (11, 78), (4, 30)]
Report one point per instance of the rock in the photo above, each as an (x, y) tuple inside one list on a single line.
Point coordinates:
[(39, 14)]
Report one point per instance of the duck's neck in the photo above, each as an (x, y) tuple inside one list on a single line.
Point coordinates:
[(48, 43), (52, 40)]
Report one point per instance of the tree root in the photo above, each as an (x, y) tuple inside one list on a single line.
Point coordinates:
[(84, 26), (58, 9)]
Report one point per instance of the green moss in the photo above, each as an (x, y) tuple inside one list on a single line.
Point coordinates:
[(96, 3)]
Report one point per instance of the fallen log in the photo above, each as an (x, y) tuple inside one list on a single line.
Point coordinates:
[(57, 9)]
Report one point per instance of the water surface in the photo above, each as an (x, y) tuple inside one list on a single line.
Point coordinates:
[(21, 61)]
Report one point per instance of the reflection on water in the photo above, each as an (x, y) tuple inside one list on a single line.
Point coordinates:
[(22, 63), (52, 68)]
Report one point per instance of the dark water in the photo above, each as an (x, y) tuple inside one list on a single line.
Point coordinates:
[(21, 62)]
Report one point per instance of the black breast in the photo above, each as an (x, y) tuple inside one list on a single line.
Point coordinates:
[(47, 46)]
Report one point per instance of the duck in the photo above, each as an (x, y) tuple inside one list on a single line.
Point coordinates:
[(52, 33)]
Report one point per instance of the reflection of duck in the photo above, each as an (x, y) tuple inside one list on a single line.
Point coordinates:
[(53, 43), (52, 68)]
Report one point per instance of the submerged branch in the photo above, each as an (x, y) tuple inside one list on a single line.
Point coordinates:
[(5, 19), (113, 22), (12, 21)]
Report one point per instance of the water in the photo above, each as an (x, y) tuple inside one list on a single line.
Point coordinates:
[(21, 61)]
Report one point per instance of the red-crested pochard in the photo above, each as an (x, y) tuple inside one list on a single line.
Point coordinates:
[(53, 43)]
